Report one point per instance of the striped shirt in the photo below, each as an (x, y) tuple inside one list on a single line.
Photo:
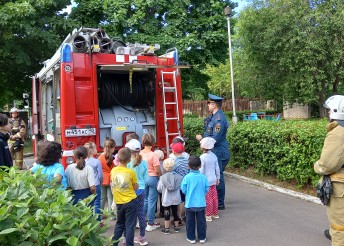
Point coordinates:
[(184, 154), (181, 166)]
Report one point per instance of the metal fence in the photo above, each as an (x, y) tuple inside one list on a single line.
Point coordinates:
[(200, 108)]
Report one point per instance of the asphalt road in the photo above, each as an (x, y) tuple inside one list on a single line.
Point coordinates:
[(255, 216)]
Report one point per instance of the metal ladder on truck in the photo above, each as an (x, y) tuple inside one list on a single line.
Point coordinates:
[(172, 88)]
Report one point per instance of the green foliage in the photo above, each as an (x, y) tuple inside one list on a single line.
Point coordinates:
[(192, 127), (194, 27), (291, 50), (188, 116), (193, 84), (88, 13), (30, 32), (285, 149), (220, 79), (32, 214)]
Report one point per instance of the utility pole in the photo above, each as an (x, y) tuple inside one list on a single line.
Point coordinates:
[(228, 12)]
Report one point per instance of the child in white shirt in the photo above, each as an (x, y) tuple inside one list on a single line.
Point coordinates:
[(210, 168)]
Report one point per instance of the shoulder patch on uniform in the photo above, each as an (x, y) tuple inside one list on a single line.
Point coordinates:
[(217, 127)]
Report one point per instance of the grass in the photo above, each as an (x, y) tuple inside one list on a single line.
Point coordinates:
[(291, 185)]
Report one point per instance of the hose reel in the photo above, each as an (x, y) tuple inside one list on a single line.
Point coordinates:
[(110, 86)]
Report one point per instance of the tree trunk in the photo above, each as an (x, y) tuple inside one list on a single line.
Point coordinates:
[(322, 111), (321, 101)]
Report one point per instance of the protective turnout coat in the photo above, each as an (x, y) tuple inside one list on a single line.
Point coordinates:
[(19, 132), (331, 163)]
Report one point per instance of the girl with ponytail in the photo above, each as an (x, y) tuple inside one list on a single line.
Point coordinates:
[(107, 161), (140, 167), (98, 174), (80, 178)]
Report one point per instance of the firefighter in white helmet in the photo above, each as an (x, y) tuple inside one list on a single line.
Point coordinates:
[(17, 138), (331, 164)]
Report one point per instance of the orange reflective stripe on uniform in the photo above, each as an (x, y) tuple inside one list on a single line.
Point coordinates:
[(337, 227), (337, 177)]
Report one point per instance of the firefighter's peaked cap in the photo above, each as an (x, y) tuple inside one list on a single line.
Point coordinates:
[(13, 110)]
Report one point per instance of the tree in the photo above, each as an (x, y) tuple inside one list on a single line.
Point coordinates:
[(292, 49), (197, 28), (220, 79), (88, 13), (30, 32)]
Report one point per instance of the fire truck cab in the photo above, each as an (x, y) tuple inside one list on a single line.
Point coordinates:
[(95, 88)]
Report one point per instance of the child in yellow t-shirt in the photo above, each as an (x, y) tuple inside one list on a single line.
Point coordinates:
[(124, 183)]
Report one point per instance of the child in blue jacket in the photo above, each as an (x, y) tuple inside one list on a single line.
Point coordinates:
[(195, 187)]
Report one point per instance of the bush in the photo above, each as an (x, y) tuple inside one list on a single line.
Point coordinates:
[(193, 116), (32, 214), (285, 149), (192, 127)]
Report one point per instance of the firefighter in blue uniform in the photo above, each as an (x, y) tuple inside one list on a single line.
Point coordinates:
[(216, 126)]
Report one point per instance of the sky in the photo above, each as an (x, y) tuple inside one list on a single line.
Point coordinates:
[(242, 4)]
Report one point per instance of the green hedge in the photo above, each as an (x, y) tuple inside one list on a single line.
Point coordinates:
[(285, 149), (192, 127), (192, 116)]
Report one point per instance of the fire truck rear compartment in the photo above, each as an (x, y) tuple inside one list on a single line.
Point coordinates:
[(124, 106)]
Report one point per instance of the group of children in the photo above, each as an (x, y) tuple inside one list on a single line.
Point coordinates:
[(139, 178), (83, 177), (132, 179)]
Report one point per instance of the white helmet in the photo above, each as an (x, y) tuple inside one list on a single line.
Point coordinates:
[(13, 110), (336, 106)]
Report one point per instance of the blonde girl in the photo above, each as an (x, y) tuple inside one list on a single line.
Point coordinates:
[(98, 173), (154, 173)]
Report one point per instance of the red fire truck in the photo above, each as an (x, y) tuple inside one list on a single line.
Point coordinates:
[(95, 88)]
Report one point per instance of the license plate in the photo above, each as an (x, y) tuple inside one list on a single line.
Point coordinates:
[(80, 132)]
